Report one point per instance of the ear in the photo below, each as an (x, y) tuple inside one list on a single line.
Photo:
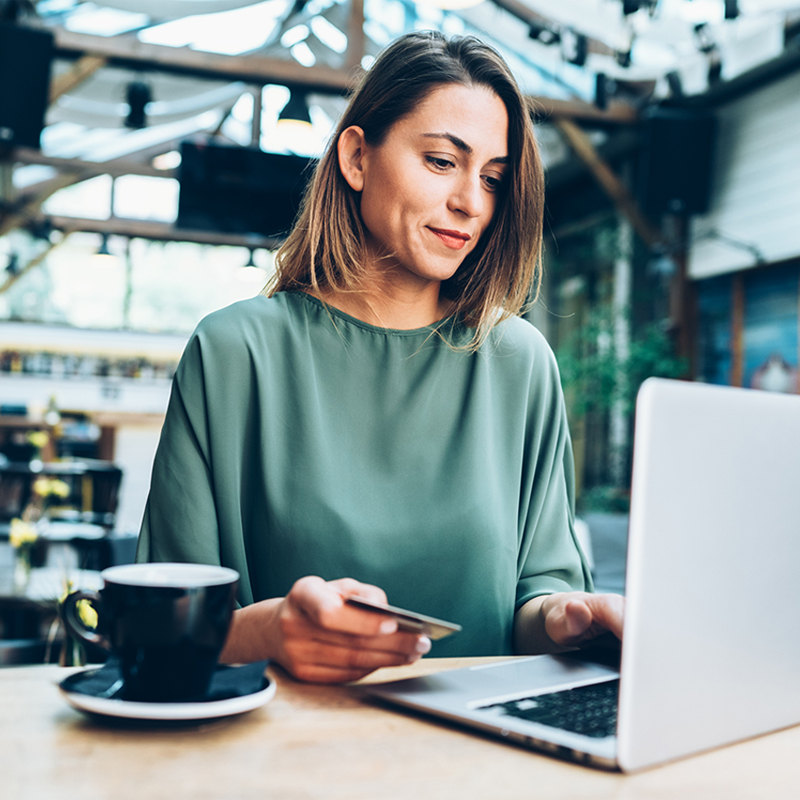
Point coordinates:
[(351, 148)]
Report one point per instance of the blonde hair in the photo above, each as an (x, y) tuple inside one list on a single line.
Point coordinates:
[(327, 246)]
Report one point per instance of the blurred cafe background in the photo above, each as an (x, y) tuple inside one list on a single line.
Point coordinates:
[(153, 153)]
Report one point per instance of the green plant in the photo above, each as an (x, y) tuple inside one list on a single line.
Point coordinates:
[(597, 374)]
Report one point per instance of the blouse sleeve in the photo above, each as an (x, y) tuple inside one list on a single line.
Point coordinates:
[(549, 557), (180, 518)]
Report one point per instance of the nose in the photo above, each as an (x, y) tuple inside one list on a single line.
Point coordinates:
[(468, 196)]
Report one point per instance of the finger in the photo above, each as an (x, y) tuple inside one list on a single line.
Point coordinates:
[(567, 620), (318, 673), (323, 604), (300, 627), (346, 658), (577, 619), (349, 587), (608, 610)]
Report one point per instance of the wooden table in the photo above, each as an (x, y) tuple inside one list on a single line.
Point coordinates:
[(323, 742)]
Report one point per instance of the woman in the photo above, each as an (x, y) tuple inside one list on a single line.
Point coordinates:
[(382, 422)]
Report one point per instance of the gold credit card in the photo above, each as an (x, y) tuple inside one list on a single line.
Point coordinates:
[(408, 621)]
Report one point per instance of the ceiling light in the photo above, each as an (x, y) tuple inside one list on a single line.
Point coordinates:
[(575, 48), (543, 34), (601, 90), (104, 257), (167, 161), (675, 84), (138, 96), (295, 112)]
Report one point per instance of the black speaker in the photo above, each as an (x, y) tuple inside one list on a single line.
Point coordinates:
[(25, 55), (240, 189), (677, 157)]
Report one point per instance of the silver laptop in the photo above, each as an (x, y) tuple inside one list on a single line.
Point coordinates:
[(711, 646)]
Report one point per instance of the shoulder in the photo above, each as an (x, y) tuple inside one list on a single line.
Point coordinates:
[(246, 325), (518, 342), (242, 318)]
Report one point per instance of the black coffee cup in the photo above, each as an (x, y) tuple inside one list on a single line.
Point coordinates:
[(166, 623)]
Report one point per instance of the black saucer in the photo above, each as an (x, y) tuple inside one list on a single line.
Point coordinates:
[(233, 690)]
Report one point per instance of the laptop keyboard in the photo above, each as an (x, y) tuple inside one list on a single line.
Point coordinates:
[(588, 710)]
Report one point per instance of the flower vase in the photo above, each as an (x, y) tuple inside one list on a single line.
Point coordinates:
[(73, 653), (22, 569)]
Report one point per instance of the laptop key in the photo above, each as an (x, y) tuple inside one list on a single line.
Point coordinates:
[(588, 710)]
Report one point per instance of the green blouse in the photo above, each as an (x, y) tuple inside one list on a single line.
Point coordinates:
[(302, 441)]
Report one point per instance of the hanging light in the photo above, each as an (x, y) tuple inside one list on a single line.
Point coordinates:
[(294, 128), (13, 267), (138, 95), (575, 48), (104, 257), (250, 272), (543, 34), (295, 112)]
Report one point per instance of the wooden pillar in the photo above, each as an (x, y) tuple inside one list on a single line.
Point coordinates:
[(105, 445), (355, 35), (255, 134)]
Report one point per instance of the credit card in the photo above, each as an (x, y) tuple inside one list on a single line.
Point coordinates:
[(408, 621)]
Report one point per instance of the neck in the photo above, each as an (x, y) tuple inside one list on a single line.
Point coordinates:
[(388, 303)]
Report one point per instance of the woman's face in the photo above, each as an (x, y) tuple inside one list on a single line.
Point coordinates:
[(429, 190)]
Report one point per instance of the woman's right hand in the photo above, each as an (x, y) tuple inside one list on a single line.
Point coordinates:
[(317, 637)]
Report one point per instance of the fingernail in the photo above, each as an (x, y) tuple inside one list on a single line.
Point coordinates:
[(388, 626), (423, 645)]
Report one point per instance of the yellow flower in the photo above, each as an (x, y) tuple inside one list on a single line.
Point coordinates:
[(59, 488), (38, 439), (45, 487), (86, 613), (21, 533)]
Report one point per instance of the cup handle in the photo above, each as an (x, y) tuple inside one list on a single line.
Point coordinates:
[(73, 622)]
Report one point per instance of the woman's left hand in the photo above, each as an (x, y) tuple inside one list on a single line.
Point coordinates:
[(563, 620), (572, 618)]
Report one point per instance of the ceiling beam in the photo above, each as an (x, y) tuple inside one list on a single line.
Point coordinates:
[(520, 10), (549, 108), (82, 69), (20, 217), (128, 51), (355, 35), (33, 263), (116, 167), (159, 232), (616, 190)]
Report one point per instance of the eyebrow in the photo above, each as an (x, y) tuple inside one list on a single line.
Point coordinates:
[(463, 146)]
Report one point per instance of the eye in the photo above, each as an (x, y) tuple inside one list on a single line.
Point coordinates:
[(439, 163), (493, 182)]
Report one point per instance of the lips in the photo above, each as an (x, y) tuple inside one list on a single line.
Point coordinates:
[(455, 240)]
